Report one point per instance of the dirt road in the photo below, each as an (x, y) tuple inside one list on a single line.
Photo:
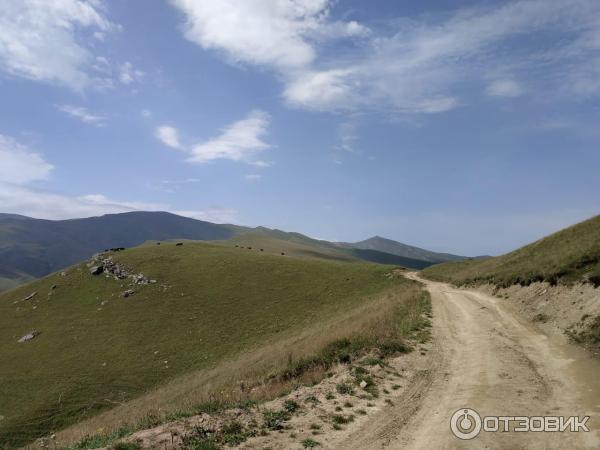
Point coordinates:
[(485, 358)]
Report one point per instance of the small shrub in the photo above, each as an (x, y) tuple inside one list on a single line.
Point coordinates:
[(312, 399), (329, 396), (232, 433), (309, 443), (373, 362), (274, 420), (291, 406), (341, 419), (361, 411), (344, 388)]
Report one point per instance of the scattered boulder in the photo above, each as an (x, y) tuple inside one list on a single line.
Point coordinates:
[(128, 293), (97, 270), (29, 297), (53, 287), (29, 336), (63, 274), (363, 384)]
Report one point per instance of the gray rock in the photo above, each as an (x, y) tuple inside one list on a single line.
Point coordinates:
[(29, 336), (128, 293), (29, 297), (97, 270)]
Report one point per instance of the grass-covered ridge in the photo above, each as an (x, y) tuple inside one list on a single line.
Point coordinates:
[(570, 255), (211, 306)]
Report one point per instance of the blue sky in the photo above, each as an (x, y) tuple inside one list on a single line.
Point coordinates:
[(469, 127)]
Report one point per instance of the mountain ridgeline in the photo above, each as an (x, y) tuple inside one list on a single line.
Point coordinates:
[(381, 244), (32, 248)]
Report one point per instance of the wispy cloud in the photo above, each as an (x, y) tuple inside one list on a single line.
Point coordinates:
[(239, 141), (41, 40), (82, 114), (504, 88), (253, 177), (419, 69), (213, 214), (129, 74), (20, 165)]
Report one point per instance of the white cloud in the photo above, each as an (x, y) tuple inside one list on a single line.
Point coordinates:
[(168, 136), (19, 165), (128, 74), (42, 204), (237, 142), (253, 177), (215, 215), (261, 164), (48, 205), (422, 68), (81, 113), (43, 40), (328, 89), (504, 88), (255, 31)]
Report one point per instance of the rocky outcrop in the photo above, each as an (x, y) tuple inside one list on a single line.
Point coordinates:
[(103, 263)]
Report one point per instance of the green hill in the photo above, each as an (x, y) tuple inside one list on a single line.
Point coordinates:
[(211, 304), (31, 248), (298, 245), (570, 255)]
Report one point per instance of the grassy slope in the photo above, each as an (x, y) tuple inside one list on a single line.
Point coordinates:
[(295, 244), (572, 254), (221, 302)]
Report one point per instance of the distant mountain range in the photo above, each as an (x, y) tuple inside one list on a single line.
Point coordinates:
[(31, 248), (397, 248)]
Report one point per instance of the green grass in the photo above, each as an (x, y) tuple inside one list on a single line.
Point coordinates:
[(220, 303), (568, 256)]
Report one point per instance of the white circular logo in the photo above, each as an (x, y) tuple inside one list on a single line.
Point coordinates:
[(465, 424)]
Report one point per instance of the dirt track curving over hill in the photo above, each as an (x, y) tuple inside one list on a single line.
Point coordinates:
[(485, 357)]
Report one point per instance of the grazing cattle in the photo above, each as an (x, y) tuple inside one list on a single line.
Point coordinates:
[(179, 244)]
